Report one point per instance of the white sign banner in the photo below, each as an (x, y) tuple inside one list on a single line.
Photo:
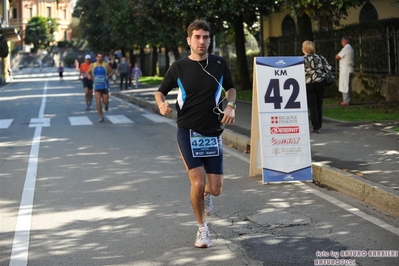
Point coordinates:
[(283, 119)]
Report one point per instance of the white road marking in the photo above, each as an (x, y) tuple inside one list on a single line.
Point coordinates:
[(39, 122), (119, 119), (349, 208), (20, 245), (156, 118), (5, 123), (79, 120)]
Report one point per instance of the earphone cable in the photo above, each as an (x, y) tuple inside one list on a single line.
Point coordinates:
[(216, 109)]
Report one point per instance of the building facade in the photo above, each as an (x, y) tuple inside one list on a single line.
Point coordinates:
[(21, 11), (15, 15), (283, 23)]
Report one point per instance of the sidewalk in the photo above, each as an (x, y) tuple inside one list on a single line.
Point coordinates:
[(358, 159)]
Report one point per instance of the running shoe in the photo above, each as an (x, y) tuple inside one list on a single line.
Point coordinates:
[(202, 240), (101, 119), (106, 107), (208, 205)]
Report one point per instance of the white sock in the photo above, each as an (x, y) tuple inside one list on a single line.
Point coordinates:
[(203, 225)]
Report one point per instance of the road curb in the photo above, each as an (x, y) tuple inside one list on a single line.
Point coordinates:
[(381, 197)]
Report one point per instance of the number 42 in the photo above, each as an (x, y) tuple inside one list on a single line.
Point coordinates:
[(273, 94)]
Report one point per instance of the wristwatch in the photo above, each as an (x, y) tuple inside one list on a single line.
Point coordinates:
[(232, 104)]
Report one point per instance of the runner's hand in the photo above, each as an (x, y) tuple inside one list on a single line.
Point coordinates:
[(229, 116), (164, 108)]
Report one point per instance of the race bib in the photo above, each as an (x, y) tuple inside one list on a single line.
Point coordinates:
[(203, 146), (100, 80)]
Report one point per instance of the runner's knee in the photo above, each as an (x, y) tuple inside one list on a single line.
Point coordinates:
[(215, 190)]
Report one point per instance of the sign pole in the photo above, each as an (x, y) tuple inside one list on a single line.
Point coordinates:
[(255, 167)]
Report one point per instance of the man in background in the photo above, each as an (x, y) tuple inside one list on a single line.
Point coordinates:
[(100, 73), (123, 70), (87, 81), (346, 59)]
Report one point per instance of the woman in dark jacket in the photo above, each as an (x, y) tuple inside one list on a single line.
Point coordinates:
[(315, 83)]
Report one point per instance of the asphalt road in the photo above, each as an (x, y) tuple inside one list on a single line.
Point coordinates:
[(77, 192)]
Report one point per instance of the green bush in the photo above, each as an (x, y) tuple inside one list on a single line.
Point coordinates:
[(68, 61)]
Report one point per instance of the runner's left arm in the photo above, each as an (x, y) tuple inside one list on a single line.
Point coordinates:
[(229, 111), (110, 71), (90, 71)]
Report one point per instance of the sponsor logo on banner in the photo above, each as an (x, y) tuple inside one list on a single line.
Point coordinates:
[(280, 62), (288, 177), (276, 151), (287, 151), (284, 130), (286, 141), (284, 119)]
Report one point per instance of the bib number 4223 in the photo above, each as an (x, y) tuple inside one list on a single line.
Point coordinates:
[(273, 95)]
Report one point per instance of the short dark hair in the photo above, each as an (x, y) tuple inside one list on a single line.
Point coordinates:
[(346, 38), (198, 24)]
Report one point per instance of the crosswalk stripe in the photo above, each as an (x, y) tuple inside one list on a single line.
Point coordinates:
[(84, 120), (79, 120), (119, 119), (5, 123), (39, 122), (156, 118)]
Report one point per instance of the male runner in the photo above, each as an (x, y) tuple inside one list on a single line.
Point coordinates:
[(200, 78), (100, 73), (87, 81)]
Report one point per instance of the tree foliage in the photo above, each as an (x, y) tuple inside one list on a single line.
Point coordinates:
[(39, 31), (127, 24), (94, 19), (124, 24), (236, 14), (51, 27)]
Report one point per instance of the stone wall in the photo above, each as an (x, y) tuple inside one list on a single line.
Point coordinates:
[(384, 85)]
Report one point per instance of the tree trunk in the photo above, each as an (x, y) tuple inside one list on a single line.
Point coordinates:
[(142, 61), (243, 82), (3, 47), (2, 71), (35, 47), (154, 61), (176, 53), (305, 28), (167, 63), (132, 57)]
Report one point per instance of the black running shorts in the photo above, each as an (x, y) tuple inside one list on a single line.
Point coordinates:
[(212, 165), (87, 83)]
